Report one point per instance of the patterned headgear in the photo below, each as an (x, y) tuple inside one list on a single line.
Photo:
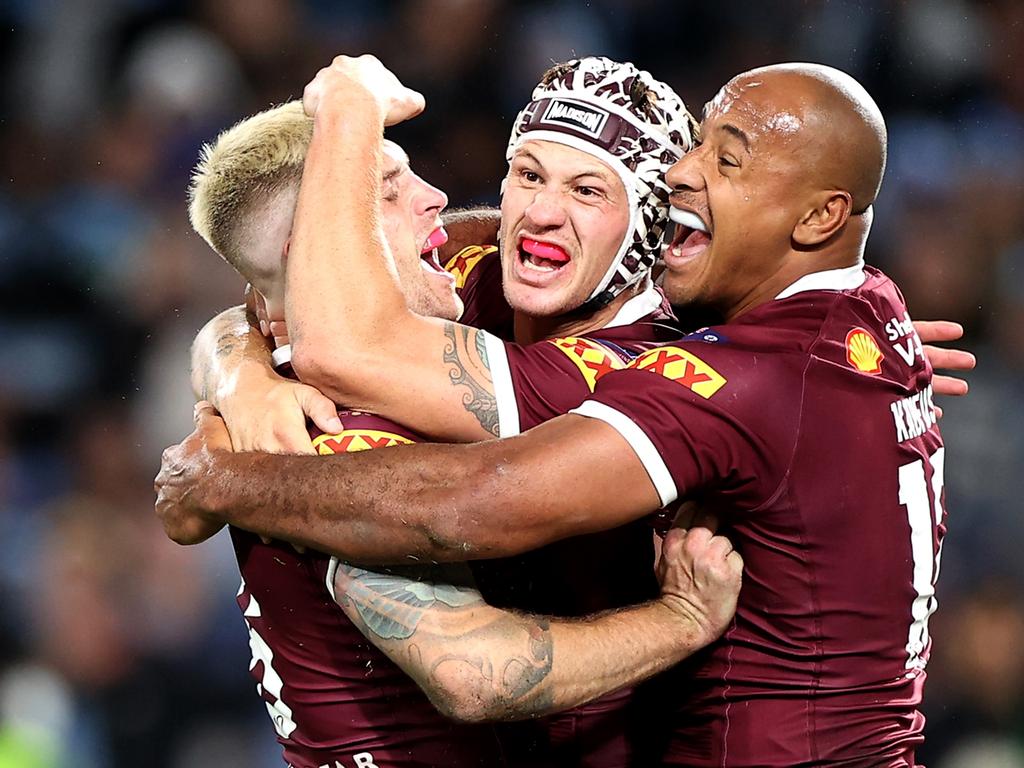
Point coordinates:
[(634, 123)]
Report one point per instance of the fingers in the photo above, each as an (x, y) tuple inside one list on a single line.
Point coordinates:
[(938, 330), (949, 385), (319, 409), (950, 359)]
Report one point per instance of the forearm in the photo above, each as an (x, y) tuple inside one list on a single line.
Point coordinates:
[(437, 502), (474, 226), (226, 347), (342, 288), (477, 663)]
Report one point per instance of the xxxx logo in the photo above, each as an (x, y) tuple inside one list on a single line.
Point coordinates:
[(462, 263), (682, 367), (352, 440), (594, 360)]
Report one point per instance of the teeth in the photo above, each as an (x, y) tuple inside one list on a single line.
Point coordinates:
[(529, 262), (687, 219)]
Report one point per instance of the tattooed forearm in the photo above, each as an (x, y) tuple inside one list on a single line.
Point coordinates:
[(475, 662), (465, 350)]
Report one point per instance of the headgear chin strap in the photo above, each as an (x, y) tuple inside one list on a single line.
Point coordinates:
[(634, 123)]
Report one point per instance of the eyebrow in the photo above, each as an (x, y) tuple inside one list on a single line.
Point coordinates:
[(597, 172), (396, 171), (734, 131)]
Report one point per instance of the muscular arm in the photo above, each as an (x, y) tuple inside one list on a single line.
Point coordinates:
[(353, 337), (570, 476), (476, 662)]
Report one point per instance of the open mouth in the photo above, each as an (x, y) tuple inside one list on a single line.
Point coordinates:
[(692, 235), (429, 258), (542, 257)]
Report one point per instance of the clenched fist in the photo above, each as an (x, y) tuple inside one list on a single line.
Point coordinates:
[(352, 79), (700, 576)]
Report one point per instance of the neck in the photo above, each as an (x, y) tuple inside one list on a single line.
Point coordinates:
[(529, 329)]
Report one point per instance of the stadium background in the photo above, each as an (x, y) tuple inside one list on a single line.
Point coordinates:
[(118, 648)]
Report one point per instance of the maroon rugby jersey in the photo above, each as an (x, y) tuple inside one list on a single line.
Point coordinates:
[(807, 424), (581, 575), (335, 700)]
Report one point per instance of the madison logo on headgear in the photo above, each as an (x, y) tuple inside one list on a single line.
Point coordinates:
[(582, 117), (682, 367), (862, 352)]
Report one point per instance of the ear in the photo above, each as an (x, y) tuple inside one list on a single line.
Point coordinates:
[(825, 219), (284, 251)]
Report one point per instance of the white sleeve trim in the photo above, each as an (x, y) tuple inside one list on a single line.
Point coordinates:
[(639, 442), (504, 391), (332, 570)]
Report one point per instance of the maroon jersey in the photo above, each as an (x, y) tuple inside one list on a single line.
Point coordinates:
[(534, 383), (477, 271), (807, 425), (334, 698)]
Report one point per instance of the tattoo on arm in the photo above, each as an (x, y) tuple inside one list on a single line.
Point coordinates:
[(438, 629), (470, 369)]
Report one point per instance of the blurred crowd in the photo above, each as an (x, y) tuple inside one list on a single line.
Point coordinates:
[(118, 648)]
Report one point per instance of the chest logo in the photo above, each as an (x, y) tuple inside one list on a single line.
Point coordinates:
[(682, 367), (593, 359), (862, 352)]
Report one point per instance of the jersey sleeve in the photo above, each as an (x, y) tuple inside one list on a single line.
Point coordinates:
[(537, 382), (678, 413), (477, 272)]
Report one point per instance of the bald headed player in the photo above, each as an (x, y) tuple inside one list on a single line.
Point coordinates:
[(806, 420)]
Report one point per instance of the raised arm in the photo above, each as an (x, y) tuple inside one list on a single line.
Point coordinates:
[(353, 336), (476, 662), (568, 477)]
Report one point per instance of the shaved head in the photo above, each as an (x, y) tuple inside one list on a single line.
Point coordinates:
[(841, 124), (782, 186)]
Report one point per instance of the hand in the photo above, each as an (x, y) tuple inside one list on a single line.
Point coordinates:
[(945, 359), (181, 503), (700, 576), (363, 77), (270, 416)]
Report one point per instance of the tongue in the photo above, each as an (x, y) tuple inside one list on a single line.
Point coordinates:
[(437, 237), (545, 251)]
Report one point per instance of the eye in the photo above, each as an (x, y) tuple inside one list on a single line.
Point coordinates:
[(587, 191), (728, 161), (531, 176)]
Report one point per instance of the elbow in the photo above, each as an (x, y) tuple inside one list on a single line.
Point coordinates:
[(334, 371), (468, 702)]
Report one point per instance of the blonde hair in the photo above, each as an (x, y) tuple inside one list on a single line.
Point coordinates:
[(240, 172)]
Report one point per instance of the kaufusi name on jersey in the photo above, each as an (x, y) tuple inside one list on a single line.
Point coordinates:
[(913, 415)]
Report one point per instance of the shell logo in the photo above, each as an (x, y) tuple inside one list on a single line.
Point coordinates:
[(862, 352)]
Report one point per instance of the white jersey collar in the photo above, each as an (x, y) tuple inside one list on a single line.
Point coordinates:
[(282, 355), (844, 279), (641, 305)]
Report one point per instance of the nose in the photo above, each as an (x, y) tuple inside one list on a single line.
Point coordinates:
[(430, 200), (545, 211), (685, 175)]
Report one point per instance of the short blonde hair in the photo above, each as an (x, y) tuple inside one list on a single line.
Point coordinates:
[(243, 169)]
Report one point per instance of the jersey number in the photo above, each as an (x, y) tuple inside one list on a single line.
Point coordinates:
[(924, 517)]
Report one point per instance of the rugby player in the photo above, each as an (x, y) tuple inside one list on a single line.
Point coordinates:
[(603, 194), (806, 420), (333, 698)]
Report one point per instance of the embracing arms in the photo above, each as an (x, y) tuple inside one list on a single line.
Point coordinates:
[(571, 476), (476, 662)]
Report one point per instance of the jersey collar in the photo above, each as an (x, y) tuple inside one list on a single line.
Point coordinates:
[(641, 305), (844, 279)]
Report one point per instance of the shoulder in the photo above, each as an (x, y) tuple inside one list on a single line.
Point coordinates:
[(473, 260)]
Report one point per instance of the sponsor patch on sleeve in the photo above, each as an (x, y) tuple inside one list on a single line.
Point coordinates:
[(351, 440), (462, 263), (863, 353), (594, 360), (682, 367)]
